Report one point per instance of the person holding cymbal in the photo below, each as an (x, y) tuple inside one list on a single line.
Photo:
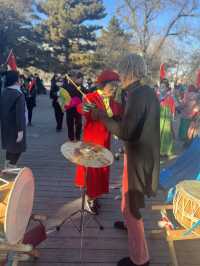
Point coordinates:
[(95, 132)]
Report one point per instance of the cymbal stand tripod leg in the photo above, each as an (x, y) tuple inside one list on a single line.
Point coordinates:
[(82, 212), (15, 263), (82, 221), (11, 260)]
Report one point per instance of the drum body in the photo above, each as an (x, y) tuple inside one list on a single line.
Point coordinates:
[(16, 203), (186, 204)]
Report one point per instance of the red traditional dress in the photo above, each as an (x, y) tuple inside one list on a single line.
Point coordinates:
[(170, 102), (97, 180)]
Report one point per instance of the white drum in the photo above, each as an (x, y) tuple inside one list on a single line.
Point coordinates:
[(16, 203), (186, 204)]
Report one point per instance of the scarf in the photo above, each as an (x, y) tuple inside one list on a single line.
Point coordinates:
[(15, 87), (106, 101)]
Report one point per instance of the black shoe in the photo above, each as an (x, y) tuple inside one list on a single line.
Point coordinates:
[(127, 262), (30, 124), (117, 156), (97, 204), (91, 207), (120, 225)]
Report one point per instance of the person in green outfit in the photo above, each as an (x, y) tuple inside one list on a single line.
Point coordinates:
[(167, 113)]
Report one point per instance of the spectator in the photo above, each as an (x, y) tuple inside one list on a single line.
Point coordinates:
[(167, 114), (56, 83), (13, 120), (39, 85), (188, 106), (29, 90), (74, 119)]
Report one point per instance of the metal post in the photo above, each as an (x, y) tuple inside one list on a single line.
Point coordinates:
[(172, 252)]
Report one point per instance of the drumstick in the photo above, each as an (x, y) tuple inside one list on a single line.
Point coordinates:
[(17, 247), (5, 181), (10, 171), (78, 88)]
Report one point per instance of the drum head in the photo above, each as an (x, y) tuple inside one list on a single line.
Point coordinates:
[(19, 208), (191, 187), (87, 154)]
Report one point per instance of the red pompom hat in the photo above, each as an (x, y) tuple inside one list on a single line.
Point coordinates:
[(107, 76)]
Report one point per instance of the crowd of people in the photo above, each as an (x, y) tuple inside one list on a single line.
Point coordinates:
[(120, 104), (180, 108), (73, 117)]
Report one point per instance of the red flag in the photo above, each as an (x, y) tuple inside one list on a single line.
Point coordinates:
[(11, 61), (198, 79), (162, 71), (31, 84)]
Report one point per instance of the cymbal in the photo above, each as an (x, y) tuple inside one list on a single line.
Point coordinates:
[(87, 154)]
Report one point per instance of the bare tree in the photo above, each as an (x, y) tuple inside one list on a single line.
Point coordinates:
[(153, 22), (193, 65)]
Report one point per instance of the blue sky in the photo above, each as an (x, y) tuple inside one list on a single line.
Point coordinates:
[(110, 6)]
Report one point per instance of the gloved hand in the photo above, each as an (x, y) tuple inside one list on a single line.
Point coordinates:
[(87, 107), (20, 136)]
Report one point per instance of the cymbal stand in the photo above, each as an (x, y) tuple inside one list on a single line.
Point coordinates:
[(82, 213)]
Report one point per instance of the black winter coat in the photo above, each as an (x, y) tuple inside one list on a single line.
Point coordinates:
[(13, 120), (139, 127)]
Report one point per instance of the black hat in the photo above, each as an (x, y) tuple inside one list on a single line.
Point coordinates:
[(11, 78)]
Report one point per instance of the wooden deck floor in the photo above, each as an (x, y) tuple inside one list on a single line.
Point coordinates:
[(54, 187)]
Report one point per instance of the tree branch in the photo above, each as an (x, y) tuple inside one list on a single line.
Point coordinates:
[(179, 15)]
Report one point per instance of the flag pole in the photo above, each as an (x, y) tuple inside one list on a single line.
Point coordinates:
[(77, 87), (11, 51)]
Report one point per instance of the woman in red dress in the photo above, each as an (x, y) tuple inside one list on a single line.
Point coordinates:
[(97, 180)]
